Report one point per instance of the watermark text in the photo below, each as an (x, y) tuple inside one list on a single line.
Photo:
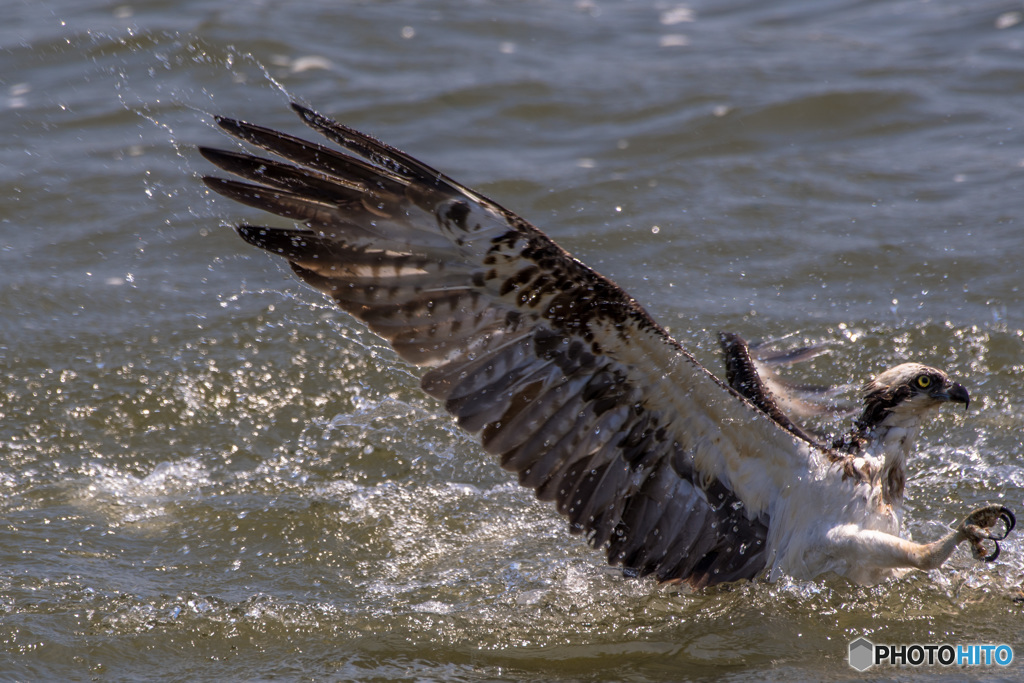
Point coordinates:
[(865, 654)]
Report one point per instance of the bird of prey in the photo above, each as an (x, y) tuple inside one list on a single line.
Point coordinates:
[(574, 387)]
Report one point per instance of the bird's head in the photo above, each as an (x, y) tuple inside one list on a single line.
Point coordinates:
[(909, 390)]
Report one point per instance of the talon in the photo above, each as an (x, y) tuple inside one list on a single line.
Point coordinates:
[(993, 556), (1008, 518)]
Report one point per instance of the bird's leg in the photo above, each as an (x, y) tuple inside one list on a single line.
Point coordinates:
[(882, 550)]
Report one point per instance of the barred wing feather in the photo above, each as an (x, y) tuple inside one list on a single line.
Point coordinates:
[(564, 377)]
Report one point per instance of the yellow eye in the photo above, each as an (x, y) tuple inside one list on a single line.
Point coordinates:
[(924, 381)]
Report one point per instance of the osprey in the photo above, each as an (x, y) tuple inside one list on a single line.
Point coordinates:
[(576, 389)]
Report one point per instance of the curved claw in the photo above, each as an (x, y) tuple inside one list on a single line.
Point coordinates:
[(995, 553), (1009, 519)]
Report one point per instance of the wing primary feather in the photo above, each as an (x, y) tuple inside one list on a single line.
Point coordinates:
[(368, 147), (313, 184), (342, 166)]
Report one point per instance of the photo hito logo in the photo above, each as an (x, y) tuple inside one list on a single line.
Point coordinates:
[(864, 654)]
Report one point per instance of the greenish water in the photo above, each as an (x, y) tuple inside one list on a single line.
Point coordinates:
[(208, 473)]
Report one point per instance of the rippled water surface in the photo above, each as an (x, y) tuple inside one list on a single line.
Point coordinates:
[(209, 473)]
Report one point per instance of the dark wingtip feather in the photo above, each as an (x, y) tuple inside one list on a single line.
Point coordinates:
[(214, 183), (243, 165), (234, 189), (282, 241), (303, 111), (233, 126), (318, 121), (218, 157), (335, 131), (251, 234), (207, 151)]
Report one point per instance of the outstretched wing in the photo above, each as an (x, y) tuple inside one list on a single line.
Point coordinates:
[(749, 370), (561, 373)]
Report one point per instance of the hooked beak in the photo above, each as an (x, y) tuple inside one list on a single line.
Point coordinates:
[(957, 393)]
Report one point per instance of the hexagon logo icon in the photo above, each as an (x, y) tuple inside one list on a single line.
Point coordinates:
[(862, 654)]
